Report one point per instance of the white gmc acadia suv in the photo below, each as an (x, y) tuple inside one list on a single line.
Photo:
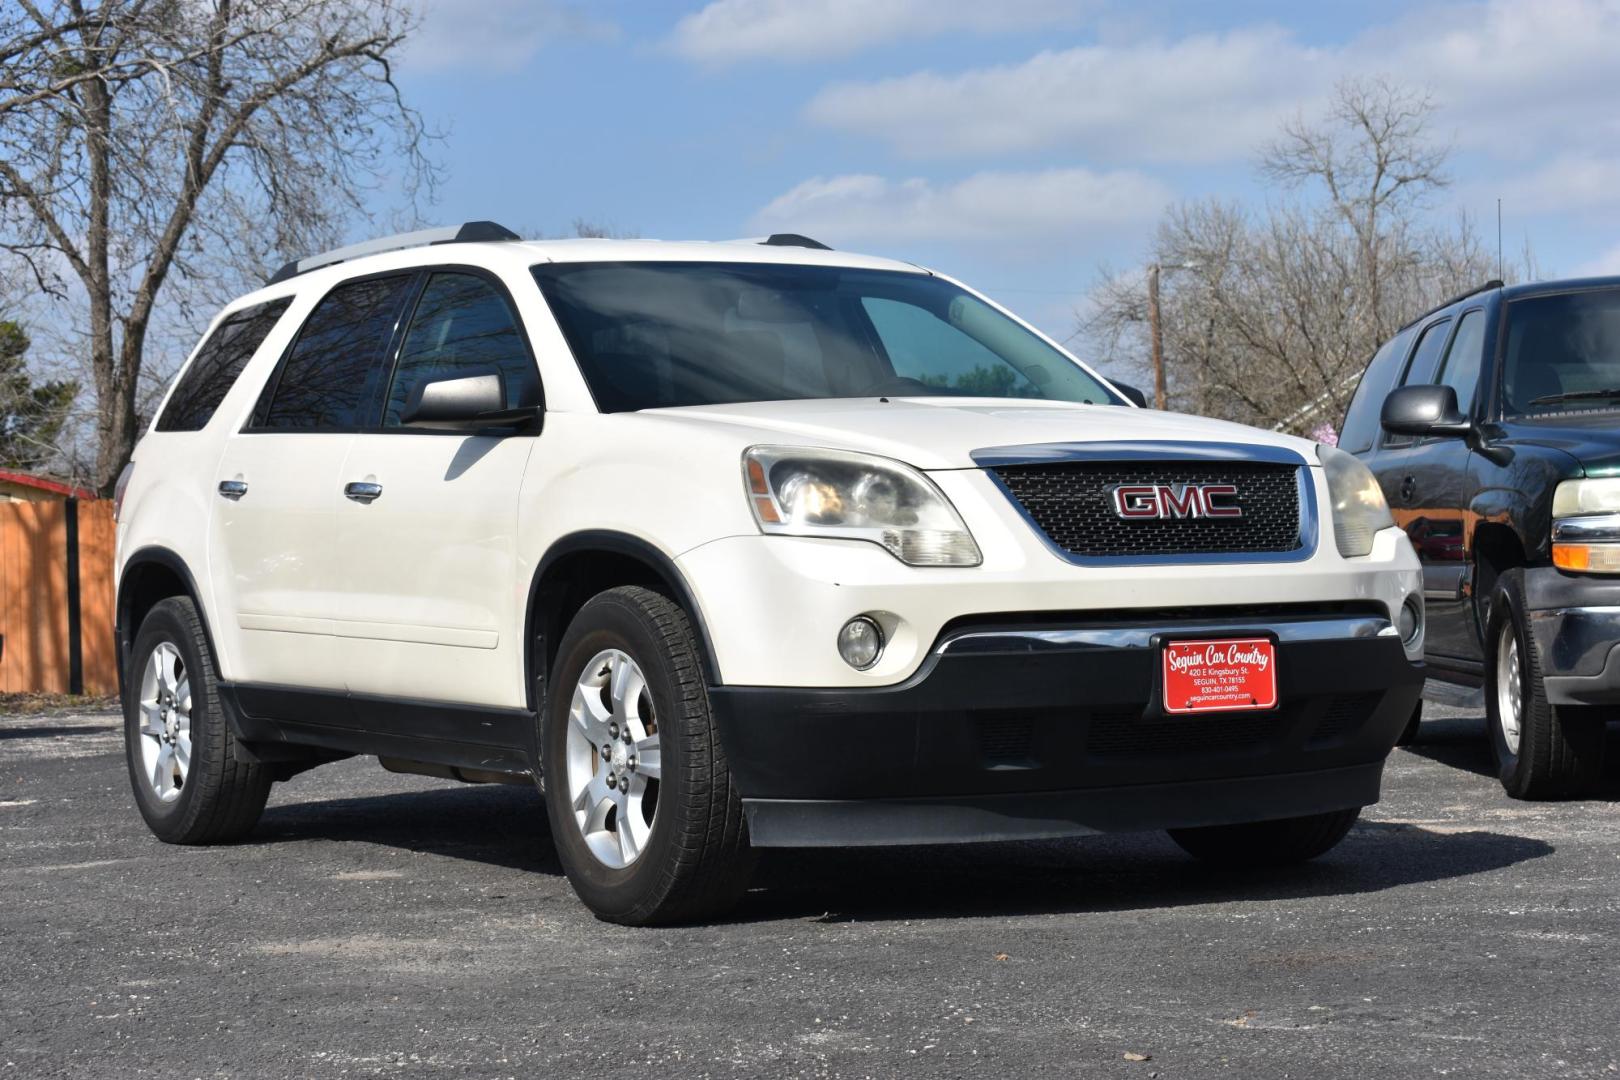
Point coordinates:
[(734, 545)]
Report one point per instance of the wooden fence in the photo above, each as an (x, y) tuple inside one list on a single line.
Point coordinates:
[(56, 597)]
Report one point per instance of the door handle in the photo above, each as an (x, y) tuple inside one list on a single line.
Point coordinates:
[(233, 489), (1408, 487), (362, 491)]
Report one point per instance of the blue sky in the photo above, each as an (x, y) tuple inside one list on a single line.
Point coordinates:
[(1016, 144)]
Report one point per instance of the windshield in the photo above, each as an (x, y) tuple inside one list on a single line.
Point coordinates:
[(1562, 353), (656, 334)]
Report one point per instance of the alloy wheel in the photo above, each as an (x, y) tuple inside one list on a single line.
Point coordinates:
[(1509, 688), (613, 759), (165, 705)]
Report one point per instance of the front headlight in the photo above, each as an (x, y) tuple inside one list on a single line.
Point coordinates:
[(1359, 509), (1586, 526), (846, 496), (1574, 497)]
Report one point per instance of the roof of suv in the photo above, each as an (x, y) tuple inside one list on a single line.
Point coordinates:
[(1557, 285), (530, 252), (1517, 292)]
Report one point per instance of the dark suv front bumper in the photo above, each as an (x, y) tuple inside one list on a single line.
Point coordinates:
[(1575, 621), (1036, 729)]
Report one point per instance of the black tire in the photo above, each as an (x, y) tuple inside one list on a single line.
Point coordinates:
[(1560, 750), (696, 862), (1409, 733), (1267, 843), (222, 795)]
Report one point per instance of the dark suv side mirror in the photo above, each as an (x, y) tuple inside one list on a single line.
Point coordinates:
[(464, 401), (1425, 410)]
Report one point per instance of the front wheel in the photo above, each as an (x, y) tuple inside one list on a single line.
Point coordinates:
[(1543, 751), (643, 813), (1267, 843), (190, 783)]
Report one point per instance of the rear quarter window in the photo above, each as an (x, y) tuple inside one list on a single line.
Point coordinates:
[(217, 365)]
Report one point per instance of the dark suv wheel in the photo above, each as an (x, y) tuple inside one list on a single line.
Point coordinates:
[(190, 784), (643, 813), (1543, 751)]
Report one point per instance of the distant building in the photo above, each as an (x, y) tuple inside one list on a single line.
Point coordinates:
[(25, 487)]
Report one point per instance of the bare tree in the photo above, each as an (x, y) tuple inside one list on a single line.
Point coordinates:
[(144, 141), (1374, 161), (1272, 313)]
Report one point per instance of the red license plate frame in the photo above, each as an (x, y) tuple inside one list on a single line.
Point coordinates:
[(1218, 675)]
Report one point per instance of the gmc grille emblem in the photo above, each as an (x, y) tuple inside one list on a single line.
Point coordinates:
[(1160, 502)]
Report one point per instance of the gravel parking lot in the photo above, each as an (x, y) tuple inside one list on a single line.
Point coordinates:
[(386, 925)]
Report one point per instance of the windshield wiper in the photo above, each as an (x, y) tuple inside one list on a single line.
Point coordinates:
[(1575, 395)]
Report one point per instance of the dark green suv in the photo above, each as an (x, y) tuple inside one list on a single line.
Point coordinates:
[(1493, 425)]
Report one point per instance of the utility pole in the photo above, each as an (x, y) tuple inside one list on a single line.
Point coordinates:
[(1155, 338)]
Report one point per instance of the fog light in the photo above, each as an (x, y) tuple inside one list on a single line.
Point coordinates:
[(1410, 623), (860, 642)]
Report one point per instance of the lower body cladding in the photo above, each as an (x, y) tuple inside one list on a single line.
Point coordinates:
[(1045, 728), (1575, 622)]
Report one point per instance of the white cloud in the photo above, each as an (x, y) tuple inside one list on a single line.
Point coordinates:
[(497, 34), (788, 31), (1602, 265), (1202, 98), (1045, 208), (1518, 81), (1570, 183)]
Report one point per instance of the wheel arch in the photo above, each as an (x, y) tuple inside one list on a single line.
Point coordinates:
[(1498, 548), (580, 565), (150, 575)]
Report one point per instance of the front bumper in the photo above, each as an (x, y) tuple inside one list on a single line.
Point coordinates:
[(1575, 622), (1046, 727)]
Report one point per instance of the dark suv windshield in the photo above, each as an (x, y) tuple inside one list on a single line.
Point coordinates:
[(657, 334), (1562, 353)]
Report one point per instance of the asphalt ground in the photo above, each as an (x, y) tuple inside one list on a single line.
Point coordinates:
[(398, 926)]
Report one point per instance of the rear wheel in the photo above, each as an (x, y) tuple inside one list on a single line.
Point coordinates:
[(643, 813), (1267, 843), (1543, 751), (190, 785)]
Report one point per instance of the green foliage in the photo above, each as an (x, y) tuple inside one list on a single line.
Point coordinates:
[(31, 414)]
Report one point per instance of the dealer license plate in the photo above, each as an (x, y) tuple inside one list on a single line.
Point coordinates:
[(1226, 675)]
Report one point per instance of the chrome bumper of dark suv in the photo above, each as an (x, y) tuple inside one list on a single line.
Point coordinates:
[(1029, 728)]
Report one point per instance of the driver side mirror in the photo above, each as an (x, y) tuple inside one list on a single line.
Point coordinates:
[(1138, 398), (464, 401), (1425, 410)]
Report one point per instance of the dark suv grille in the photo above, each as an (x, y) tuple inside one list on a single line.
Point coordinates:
[(1070, 502)]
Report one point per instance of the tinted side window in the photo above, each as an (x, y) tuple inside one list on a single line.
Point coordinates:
[(1426, 357), (331, 374), (1422, 369), (1460, 370), (1360, 427), (218, 362), (462, 324)]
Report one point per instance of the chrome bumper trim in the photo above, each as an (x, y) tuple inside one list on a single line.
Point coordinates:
[(1141, 637), (1596, 528)]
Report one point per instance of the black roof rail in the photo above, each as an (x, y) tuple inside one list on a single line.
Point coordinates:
[(470, 232), (1494, 283), (793, 239)]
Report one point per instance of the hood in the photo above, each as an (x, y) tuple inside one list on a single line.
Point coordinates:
[(943, 432), (1592, 438)]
